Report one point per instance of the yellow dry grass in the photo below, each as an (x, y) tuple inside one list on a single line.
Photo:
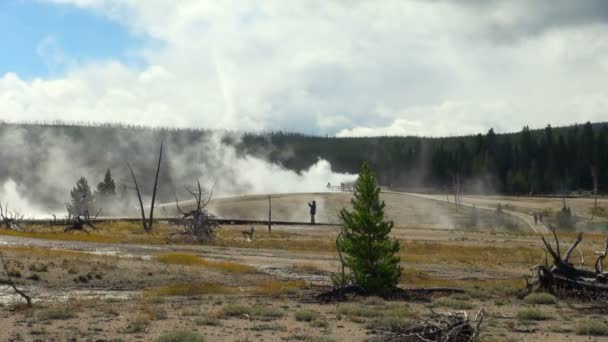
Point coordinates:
[(44, 253), (187, 289), (106, 232), (188, 259)]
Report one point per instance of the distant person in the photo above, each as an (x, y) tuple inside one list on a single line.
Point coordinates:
[(535, 218), (540, 217), (313, 211), (84, 206)]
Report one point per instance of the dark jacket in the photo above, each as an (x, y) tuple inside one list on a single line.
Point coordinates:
[(313, 208)]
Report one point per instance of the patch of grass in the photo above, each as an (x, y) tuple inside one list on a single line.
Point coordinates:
[(453, 303), (389, 324), (34, 277), (186, 290), (208, 321), (540, 298), (532, 315), (58, 313), (306, 268), (14, 272), (268, 327), (178, 258), (360, 310), (590, 327), (140, 324), (255, 312), (306, 315), (38, 267), (410, 277), (276, 288), (180, 336)]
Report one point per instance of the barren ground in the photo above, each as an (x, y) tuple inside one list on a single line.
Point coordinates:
[(120, 284)]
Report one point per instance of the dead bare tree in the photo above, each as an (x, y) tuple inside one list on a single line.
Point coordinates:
[(198, 223), (147, 224), (269, 215), (10, 219), (564, 278), (76, 221), (595, 185), (9, 281)]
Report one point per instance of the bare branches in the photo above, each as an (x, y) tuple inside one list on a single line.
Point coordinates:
[(147, 224), (10, 219), (450, 327), (198, 223), (579, 238), (9, 282)]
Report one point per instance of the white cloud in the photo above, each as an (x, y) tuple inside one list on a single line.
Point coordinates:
[(364, 67)]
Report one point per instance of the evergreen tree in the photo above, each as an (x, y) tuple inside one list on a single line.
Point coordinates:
[(106, 188), (370, 254)]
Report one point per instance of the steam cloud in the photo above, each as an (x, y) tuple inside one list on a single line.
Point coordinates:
[(42, 163)]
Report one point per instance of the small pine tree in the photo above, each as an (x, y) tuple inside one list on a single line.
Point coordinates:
[(107, 188), (80, 191), (370, 254)]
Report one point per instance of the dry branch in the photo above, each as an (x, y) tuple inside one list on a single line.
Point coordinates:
[(9, 282)]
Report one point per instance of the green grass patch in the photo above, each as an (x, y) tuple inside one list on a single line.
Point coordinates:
[(532, 315), (590, 327), (540, 298)]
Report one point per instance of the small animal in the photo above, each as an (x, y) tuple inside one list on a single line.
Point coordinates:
[(248, 235)]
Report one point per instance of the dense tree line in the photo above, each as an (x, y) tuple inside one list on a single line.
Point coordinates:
[(546, 161)]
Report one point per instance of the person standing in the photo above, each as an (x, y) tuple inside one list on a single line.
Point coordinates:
[(313, 211)]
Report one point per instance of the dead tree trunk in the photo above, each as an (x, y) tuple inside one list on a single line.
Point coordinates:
[(564, 278), (147, 224)]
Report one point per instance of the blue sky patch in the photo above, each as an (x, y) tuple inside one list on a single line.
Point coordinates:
[(44, 40)]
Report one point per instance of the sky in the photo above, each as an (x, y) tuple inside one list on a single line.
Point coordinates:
[(326, 67)]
